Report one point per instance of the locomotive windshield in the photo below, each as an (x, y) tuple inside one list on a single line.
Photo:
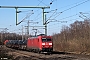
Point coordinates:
[(46, 39)]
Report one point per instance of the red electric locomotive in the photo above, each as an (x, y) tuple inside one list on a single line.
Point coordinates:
[(41, 43)]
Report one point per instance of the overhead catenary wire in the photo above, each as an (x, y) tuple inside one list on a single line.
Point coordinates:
[(71, 7), (65, 6), (43, 3), (62, 11), (40, 2), (27, 16), (71, 4), (58, 13), (41, 12), (68, 17), (48, 12), (35, 18), (52, 14), (58, 28), (77, 3), (65, 10), (58, 23), (37, 10), (63, 19)]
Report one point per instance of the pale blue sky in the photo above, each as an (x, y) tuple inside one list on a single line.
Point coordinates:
[(70, 9)]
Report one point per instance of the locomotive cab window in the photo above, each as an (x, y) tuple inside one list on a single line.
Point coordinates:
[(46, 39)]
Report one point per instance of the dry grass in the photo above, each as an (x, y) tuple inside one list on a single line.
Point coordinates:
[(79, 46)]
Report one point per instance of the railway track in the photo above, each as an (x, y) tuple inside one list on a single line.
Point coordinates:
[(25, 55)]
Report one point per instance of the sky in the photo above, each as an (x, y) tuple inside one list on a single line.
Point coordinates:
[(61, 13)]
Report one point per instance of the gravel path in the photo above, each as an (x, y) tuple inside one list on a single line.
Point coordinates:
[(25, 55)]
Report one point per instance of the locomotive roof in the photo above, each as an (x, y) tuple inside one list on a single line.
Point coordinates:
[(37, 36), (32, 37)]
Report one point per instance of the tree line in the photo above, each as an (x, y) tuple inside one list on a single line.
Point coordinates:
[(73, 38), (10, 36)]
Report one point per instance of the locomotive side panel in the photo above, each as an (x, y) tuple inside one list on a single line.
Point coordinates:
[(33, 44)]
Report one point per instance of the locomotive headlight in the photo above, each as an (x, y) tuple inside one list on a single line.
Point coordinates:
[(43, 43), (50, 43)]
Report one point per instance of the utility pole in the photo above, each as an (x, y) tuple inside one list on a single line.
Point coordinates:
[(22, 32), (45, 26), (26, 33), (28, 28), (35, 32), (36, 29), (46, 22)]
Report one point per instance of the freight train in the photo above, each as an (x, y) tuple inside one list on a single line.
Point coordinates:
[(17, 44), (41, 43)]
